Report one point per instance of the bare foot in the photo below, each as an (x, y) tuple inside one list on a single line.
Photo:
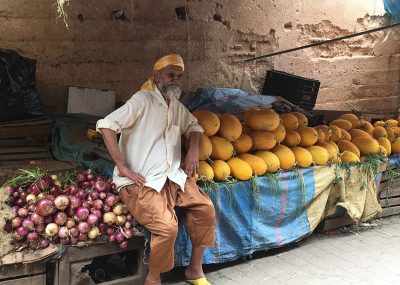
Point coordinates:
[(193, 274)]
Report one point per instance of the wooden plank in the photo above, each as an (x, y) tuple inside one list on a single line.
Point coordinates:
[(31, 280), (392, 184), (25, 156), (15, 150), (389, 202), (21, 142), (391, 192), (24, 131), (20, 269), (389, 212), (41, 118)]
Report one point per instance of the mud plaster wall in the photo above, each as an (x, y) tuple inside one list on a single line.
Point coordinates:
[(100, 51)]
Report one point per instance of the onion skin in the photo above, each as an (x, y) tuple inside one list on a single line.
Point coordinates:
[(28, 224), (92, 219), (16, 222), (74, 201), (23, 212), (60, 218), (109, 218), (82, 213), (70, 223), (83, 227), (63, 232), (37, 219)]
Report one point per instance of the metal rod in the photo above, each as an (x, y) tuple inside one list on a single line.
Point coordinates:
[(323, 42)]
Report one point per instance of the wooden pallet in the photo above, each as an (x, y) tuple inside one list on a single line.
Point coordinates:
[(26, 128)]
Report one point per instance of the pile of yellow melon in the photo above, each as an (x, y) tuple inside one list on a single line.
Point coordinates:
[(268, 142)]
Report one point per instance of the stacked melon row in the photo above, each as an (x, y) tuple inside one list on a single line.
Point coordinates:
[(267, 142)]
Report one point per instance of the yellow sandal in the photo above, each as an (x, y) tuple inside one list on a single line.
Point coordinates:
[(200, 281)]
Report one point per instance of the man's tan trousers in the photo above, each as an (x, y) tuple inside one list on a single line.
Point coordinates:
[(155, 211)]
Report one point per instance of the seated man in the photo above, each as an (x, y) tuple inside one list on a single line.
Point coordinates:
[(148, 173)]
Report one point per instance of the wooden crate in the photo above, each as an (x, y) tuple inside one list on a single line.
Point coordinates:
[(78, 265), (23, 274), (389, 198)]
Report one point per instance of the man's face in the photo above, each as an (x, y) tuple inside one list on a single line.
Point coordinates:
[(169, 80)]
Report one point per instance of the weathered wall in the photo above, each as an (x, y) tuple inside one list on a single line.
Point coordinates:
[(99, 51)]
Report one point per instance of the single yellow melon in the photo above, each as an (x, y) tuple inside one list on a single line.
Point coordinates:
[(343, 124), (391, 123), (366, 145), (346, 145), (289, 121), (345, 135), (221, 148), (240, 169), (395, 145), (205, 170), (243, 144), (390, 133), (348, 156), (272, 161), (230, 127), (208, 121), (279, 133), (379, 132), (379, 124), (356, 133), (303, 156), (319, 154), (221, 170), (332, 151), (308, 135), (292, 139), (303, 120), (333, 144), (321, 135), (336, 133), (263, 140), (205, 147), (386, 144), (367, 126), (353, 119), (285, 155), (245, 129), (262, 120), (257, 164)]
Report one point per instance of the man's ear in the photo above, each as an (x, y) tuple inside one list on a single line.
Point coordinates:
[(156, 75)]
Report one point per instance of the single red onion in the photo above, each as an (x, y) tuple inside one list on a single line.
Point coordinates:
[(128, 225), (45, 207), (128, 233), (31, 208), (75, 203), (32, 236), (94, 195), (85, 184), (44, 243), (85, 204), (97, 204), (20, 202), (81, 176), (10, 190), (23, 196), (40, 228), (129, 217), (92, 219), (74, 232), (37, 219), (49, 219), (82, 213), (33, 189), (96, 212), (82, 237), (23, 212), (16, 222), (73, 189), (110, 231), (107, 208), (119, 236), (64, 241), (81, 194), (73, 240), (123, 245), (55, 190), (63, 232), (100, 186), (28, 224), (14, 210), (43, 184), (21, 231), (102, 227), (83, 227), (15, 194), (60, 218), (90, 176), (111, 237), (102, 195)]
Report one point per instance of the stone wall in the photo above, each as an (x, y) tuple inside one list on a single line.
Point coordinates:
[(98, 50)]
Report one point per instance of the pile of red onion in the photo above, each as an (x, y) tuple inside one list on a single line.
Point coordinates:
[(48, 212)]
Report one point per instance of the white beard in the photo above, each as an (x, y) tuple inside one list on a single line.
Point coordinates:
[(172, 91)]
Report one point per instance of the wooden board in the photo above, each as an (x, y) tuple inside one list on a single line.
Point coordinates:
[(19, 269), (337, 223), (24, 131), (389, 212), (393, 192), (30, 280), (25, 156), (15, 150), (389, 202)]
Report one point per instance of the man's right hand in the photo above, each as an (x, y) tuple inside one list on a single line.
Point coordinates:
[(137, 178)]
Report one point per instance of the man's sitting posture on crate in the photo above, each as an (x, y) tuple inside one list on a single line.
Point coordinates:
[(148, 171)]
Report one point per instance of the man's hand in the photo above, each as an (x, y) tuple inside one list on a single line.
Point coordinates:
[(191, 163), (137, 178)]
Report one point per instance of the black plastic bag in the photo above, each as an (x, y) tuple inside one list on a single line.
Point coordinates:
[(19, 98)]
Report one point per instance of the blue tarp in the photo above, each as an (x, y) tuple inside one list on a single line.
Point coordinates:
[(250, 218), (392, 7)]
